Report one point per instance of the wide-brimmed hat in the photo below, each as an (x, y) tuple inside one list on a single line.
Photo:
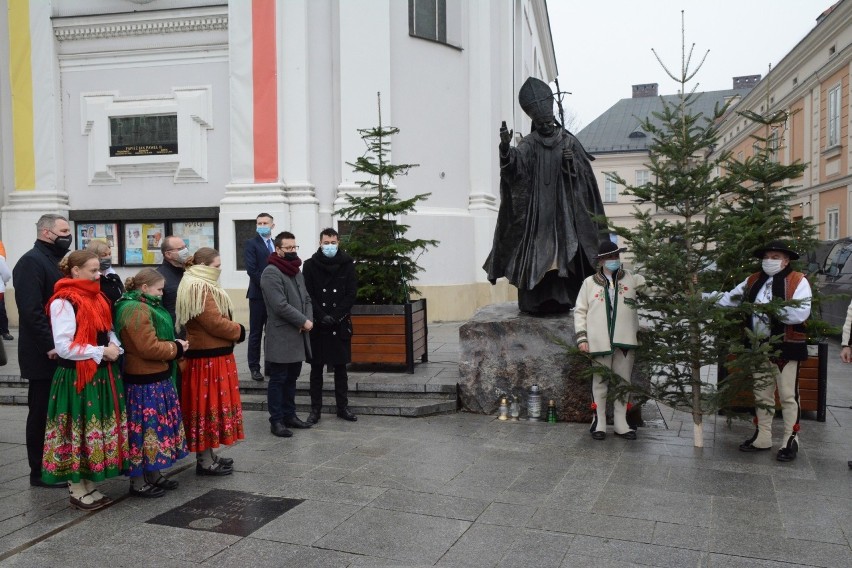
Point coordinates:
[(777, 246), (608, 248)]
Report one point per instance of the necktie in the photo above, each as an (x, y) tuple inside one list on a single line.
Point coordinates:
[(269, 245)]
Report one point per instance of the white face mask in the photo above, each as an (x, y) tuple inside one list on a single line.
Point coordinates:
[(771, 266)]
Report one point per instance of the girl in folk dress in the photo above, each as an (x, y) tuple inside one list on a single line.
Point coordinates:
[(86, 436), (210, 395), (154, 420)]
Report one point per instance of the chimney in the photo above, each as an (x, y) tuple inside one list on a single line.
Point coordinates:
[(746, 81), (646, 90)]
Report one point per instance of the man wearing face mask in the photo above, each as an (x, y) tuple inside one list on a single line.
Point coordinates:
[(256, 254), (35, 275), (175, 254), (330, 280), (606, 324), (776, 279), (289, 308)]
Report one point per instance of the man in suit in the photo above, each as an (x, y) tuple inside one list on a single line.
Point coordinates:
[(175, 254), (256, 253), (34, 276), (287, 339)]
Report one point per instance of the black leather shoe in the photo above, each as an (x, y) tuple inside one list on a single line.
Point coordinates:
[(278, 429), (256, 375), (313, 417), (629, 435), (296, 422), (346, 414), (216, 470), (598, 435), (788, 452), (38, 482), (227, 462), (7, 336)]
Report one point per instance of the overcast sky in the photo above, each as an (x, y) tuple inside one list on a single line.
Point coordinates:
[(603, 47)]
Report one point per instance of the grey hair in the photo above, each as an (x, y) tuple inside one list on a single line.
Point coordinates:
[(48, 221)]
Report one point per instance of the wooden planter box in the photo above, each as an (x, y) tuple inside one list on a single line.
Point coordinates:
[(813, 384), (390, 335)]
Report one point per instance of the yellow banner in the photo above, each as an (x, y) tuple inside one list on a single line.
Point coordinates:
[(21, 78)]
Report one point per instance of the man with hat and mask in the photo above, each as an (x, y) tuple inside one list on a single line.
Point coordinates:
[(776, 279), (606, 324), (545, 239)]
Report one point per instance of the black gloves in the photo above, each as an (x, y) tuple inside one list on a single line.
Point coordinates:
[(328, 321)]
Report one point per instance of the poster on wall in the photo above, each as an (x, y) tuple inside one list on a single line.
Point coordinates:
[(142, 243), (106, 232), (196, 234)]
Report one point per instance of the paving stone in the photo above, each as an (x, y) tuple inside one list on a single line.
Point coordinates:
[(481, 545), (629, 551), (388, 534), (507, 514), (430, 504), (536, 548), (258, 553), (780, 548), (578, 522), (654, 505), (306, 523)]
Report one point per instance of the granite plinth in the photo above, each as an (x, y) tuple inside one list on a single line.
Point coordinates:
[(503, 349)]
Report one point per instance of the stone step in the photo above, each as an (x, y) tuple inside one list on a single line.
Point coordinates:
[(379, 405), (364, 405)]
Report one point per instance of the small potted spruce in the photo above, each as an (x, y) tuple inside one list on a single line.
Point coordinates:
[(388, 327)]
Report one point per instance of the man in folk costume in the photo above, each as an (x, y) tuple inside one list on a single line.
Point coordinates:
[(776, 279), (606, 324)]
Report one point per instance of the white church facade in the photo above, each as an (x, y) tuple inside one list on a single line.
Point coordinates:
[(143, 118)]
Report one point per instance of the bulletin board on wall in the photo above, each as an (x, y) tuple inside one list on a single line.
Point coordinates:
[(137, 239)]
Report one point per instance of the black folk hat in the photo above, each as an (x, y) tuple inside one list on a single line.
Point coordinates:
[(608, 248), (777, 246)]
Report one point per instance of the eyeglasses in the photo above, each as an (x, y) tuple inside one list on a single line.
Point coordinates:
[(289, 249)]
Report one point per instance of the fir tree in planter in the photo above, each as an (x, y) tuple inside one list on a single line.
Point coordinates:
[(385, 260)]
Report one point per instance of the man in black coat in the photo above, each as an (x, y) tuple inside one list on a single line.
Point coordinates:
[(34, 276), (331, 284), (256, 257)]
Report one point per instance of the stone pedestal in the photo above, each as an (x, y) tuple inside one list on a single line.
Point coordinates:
[(502, 348)]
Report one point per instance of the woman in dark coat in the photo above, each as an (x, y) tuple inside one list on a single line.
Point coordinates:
[(331, 284)]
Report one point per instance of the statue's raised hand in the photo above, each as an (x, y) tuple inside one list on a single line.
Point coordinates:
[(505, 134)]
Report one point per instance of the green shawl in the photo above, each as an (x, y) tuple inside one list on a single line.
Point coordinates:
[(128, 311)]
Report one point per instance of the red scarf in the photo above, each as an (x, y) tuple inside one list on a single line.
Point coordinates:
[(288, 267), (93, 315)]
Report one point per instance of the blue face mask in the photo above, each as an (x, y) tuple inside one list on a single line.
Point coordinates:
[(264, 231), (329, 250), (612, 265)]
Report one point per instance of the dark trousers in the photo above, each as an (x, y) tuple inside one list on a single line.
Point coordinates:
[(257, 320), (38, 395), (4, 319), (281, 391), (341, 387)]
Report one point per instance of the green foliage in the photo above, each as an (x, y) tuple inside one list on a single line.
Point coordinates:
[(385, 260)]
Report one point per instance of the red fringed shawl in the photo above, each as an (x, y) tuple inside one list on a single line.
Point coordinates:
[(93, 315)]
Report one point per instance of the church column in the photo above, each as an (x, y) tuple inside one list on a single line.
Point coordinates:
[(253, 38), (484, 127), (363, 71), (293, 126), (36, 124)]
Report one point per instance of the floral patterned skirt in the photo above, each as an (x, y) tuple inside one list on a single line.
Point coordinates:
[(210, 400), (86, 433), (154, 427)]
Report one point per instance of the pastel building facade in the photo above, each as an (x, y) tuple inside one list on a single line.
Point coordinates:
[(143, 118)]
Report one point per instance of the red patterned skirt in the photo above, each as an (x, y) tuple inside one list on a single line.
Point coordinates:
[(210, 401)]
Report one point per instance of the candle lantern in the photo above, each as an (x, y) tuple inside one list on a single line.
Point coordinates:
[(515, 408), (534, 404), (504, 408), (551, 412)]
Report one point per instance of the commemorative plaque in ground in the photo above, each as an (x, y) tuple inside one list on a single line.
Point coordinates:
[(229, 512)]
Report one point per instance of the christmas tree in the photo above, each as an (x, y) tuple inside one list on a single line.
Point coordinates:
[(385, 260)]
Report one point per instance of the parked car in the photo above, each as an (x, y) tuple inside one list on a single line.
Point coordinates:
[(830, 266)]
